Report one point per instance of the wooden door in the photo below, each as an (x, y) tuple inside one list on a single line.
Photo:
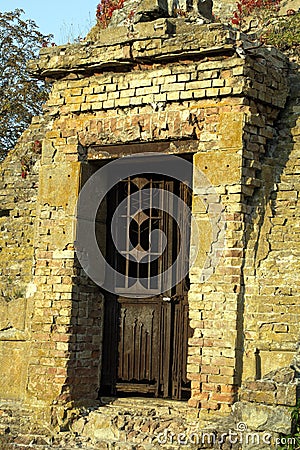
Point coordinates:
[(145, 337)]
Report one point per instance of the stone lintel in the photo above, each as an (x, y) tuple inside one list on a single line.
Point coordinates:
[(117, 151)]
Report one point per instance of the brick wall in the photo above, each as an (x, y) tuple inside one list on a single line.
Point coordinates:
[(170, 90), (271, 320), (18, 193)]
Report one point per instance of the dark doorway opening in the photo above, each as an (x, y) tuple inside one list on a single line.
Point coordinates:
[(145, 340)]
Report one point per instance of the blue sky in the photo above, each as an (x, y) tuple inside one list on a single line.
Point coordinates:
[(65, 19)]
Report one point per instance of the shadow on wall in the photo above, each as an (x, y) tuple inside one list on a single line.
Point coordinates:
[(269, 310)]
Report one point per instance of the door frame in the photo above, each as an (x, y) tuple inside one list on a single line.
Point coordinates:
[(166, 385)]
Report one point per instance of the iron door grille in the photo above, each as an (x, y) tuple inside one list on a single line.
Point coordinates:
[(143, 261)]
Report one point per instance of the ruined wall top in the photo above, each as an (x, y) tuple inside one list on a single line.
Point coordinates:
[(148, 10), (157, 41)]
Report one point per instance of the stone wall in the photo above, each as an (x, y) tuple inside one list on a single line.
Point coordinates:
[(271, 310), (185, 88), (18, 192)]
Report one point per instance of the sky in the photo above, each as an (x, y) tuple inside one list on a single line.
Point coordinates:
[(65, 19)]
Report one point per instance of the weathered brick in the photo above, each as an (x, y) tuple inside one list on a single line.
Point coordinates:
[(230, 118)]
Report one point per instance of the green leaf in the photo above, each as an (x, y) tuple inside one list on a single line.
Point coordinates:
[(20, 96)]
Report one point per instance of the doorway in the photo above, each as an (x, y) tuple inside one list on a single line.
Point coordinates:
[(145, 340)]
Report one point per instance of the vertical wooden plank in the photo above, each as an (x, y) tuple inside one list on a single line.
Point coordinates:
[(110, 344), (166, 353)]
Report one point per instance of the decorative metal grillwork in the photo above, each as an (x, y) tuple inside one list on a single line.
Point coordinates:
[(144, 231)]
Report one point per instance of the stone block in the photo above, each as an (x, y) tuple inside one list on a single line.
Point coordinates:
[(200, 242), (59, 185), (286, 395), (199, 207), (13, 369), (12, 314), (272, 360), (230, 129), (106, 36), (100, 428), (159, 27), (220, 167), (263, 397), (284, 375), (265, 418), (48, 149)]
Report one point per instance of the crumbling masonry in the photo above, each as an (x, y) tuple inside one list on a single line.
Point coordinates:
[(177, 88)]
